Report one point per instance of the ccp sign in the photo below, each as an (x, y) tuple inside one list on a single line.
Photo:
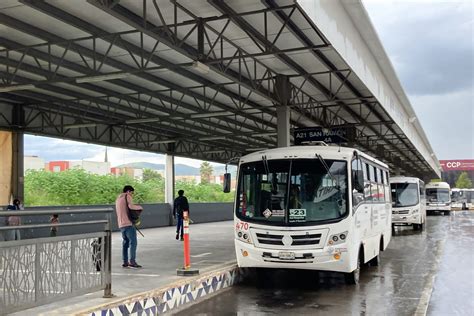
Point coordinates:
[(462, 164)]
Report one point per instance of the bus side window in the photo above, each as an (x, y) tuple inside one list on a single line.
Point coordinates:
[(367, 192), (380, 185), (388, 195), (373, 184), (357, 197)]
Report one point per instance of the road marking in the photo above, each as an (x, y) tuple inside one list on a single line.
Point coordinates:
[(202, 255), (424, 302)]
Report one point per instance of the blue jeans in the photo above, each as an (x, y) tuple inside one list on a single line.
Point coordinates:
[(179, 226), (129, 236)]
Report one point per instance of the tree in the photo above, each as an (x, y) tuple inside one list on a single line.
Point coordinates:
[(206, 172), (463, 181), (150, 174)]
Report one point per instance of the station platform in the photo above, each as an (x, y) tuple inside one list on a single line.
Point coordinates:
[(160, 254)]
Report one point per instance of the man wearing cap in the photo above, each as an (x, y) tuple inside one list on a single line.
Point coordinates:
[(123, 203)]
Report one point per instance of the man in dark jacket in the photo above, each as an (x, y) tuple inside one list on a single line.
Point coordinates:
[(180, 205)]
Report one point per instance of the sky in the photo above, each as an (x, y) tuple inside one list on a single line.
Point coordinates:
[(431, 46)]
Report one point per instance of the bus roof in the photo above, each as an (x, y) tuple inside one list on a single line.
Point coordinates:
[(327, 152), (400, 179), (440, 185)]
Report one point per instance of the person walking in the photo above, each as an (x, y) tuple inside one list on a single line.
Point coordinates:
[(123, 205), (54, 220), (13, 220), (180, 205)]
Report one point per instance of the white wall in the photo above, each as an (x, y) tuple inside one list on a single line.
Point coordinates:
[(33, 163)]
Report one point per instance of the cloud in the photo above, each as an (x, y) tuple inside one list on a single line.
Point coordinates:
[(51, 149), (447, 120), (430, 43)]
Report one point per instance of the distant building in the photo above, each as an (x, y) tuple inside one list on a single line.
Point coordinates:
[(135, 173), (57, 166), (33, 163), (196, 179), (94, 167)]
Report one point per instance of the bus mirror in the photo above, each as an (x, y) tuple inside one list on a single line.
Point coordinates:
[(358, 181), (226, 186)]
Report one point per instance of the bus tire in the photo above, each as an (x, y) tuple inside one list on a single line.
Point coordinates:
[(375, 261), (416, 226), (352, 278)]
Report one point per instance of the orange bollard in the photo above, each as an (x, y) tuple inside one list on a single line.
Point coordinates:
[(187, 252), (186, 270)]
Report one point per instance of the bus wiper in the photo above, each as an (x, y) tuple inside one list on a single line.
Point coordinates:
[(266, 166), (325, 165)]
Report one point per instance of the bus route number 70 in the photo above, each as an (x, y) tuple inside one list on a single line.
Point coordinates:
[(242, 226)]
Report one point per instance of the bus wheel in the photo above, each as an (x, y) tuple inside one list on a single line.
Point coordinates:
[(352, 278), (416, 226)]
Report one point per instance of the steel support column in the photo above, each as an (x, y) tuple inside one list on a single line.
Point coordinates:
[(282, 93), (169, 181), (17, 154)]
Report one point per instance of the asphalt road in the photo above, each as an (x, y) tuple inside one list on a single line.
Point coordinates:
[(427, 272)]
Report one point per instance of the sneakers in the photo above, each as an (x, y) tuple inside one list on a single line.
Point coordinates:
[(134, 265), (177, 236), (182, 238)]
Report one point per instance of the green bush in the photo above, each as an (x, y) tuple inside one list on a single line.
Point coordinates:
[(77, 187)]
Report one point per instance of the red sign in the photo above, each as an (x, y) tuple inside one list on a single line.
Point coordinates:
[(464, 165)]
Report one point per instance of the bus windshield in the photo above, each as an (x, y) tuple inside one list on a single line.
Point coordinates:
[(404, 194), (437, 195), (292, 192)]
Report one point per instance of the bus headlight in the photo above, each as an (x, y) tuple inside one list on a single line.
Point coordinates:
[(414, 211), (337, 238), (244, 236)]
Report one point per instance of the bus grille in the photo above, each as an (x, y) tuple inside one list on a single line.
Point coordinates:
[(403, 212), (297, 240)]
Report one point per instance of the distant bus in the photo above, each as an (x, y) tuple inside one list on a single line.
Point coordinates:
[(408, 202), (312, 207), (438, 198), (462, 199)]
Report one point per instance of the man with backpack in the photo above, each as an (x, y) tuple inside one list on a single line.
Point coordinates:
[(180, 205), (126, 219)]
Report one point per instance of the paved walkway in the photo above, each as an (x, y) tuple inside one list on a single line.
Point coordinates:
[(212, 245)]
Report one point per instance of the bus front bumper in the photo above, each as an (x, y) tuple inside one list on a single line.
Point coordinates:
[(406, 219), (335, 258)]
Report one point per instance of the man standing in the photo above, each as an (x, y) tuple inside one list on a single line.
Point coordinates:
[(180, 205), (13, 220), (123, 203)]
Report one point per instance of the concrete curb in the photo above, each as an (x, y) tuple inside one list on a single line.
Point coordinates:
[(171, 296)]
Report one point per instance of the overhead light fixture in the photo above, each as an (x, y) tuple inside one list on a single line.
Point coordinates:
[(266, 134), (213, 151), (432, 154), (212, 138), (412, 119), (105, 77), (255, 149), (202, 68), (143, 120), (17, 87), (80, 125), (211, 114), (166, 141)]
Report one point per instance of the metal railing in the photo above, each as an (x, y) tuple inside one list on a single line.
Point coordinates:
[(38, 271)]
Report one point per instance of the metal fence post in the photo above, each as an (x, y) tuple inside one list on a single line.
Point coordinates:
[(37, 271), (108, 259), (73, 265)]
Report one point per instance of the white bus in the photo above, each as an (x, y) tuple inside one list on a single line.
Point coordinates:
[(312, 207), (462, 199), (408, 202), (438, 198)]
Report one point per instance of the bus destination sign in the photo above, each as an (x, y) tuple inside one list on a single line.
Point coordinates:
[(334, 135)]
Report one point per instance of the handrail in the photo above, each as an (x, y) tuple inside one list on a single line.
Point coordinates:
[(55, 225), (49, 212)]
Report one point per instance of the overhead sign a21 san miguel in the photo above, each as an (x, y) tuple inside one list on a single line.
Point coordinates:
[(460, 164), (333, 135)]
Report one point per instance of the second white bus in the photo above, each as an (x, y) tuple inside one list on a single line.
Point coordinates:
[(312, 207), (438, 198), (408, 202)]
